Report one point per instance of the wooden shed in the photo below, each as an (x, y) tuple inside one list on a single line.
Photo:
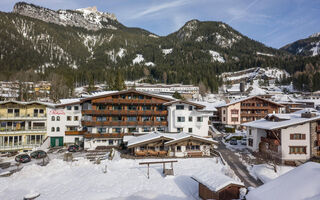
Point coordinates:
[(217, 186)]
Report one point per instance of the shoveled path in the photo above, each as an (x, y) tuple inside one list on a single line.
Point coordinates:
[(237, 166)]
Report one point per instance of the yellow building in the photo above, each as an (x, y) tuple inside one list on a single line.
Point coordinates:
[(22, 125)]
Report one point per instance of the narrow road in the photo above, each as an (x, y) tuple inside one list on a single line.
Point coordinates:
[(237, 166)]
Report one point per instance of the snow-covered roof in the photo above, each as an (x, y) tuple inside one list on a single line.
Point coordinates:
[(286, 120), (208, 106), (173, 137), (215, 181), (69, 101), (299, 183), (28, 103), (247, 98)]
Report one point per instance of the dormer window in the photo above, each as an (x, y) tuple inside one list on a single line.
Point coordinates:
[(179, 107)]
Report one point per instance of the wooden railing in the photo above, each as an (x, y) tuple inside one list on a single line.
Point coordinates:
[(74, 132), (126, 101), (125, 123), (125, 112), (105, 135)]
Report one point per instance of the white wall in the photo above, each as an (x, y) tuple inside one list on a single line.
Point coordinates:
[(256, 135), (198, 128), (286, 142), (63, 112)]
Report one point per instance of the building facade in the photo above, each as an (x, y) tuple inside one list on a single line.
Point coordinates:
[(287, 137), (247, 109), (23, 125), (64, 124)]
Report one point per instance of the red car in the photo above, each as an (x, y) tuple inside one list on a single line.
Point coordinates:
[(73, 148), (23, 158)]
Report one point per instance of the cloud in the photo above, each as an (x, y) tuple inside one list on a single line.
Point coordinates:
[(157, 8), (237, 14)]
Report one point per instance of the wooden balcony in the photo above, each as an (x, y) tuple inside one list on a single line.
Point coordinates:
[(270, 141), (126, 112), (127, 101), (105, 135), (124, 123), (74, 132)]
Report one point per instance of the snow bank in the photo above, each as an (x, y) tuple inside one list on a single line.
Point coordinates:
[(125, 179), (266, 173), (167, 51)]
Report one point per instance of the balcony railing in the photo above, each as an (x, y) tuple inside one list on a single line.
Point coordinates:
[(105, 135), (18, 147), (21, 116), (23, 129), (125, 112), (125, 123), (74, 132), (127, 101)]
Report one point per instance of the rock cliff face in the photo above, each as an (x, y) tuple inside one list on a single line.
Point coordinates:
[(88, 18), (306, 47)]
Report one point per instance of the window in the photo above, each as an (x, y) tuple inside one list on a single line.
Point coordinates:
[(75, 118), (76, 107), (116, 130), (193, 147), (99, 107), (102, 130), (10, 111), (234, 119), (190, 130), (146, 118), (53, 118), (146, 107), (180, 119), (132, 107), (160, 129), (58, 118), (297, 136), (146, 129), (99, 119), (41, 111), (178, 148), (234, 111), (224, 119), (68, 118), (69, 107), (297, 150), (160, 119), (116, 118), (58, 129), (132, 119), (117, 108), (52, 129), (190, 119), (199, 119), (250, 142), (179, 107), (110, 142), (179, 129), (250, 132), (190, 107), (224, 111)]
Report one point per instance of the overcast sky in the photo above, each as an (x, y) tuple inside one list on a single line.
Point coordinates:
[(272, 22)]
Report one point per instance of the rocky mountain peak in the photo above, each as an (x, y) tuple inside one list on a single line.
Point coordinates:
[(89, 18), (314, 35)]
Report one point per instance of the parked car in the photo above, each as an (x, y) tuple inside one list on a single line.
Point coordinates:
[(244, 141), (23, 158), (73, 148), (233, 141), (38, 154)]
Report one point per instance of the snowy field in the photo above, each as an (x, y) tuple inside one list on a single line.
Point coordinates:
[(125, 179)]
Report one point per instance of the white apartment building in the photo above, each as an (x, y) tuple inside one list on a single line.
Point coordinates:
[(184, 116), (288, 137), (64, 123)]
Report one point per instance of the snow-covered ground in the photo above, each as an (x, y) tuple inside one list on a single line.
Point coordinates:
[(125, 179), (216, 56), (266, 173)]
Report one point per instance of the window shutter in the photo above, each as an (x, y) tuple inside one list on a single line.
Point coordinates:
[(291, 136), (303, 136)]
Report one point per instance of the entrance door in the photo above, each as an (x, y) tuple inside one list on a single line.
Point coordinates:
[(57, 142)]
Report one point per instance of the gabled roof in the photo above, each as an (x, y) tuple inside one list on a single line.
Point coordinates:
[(247, 98), (172, 137), (128, 91), (184, 102), (28, 103), (300, 183), (185, 136), (215, 181), (286, 120)]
